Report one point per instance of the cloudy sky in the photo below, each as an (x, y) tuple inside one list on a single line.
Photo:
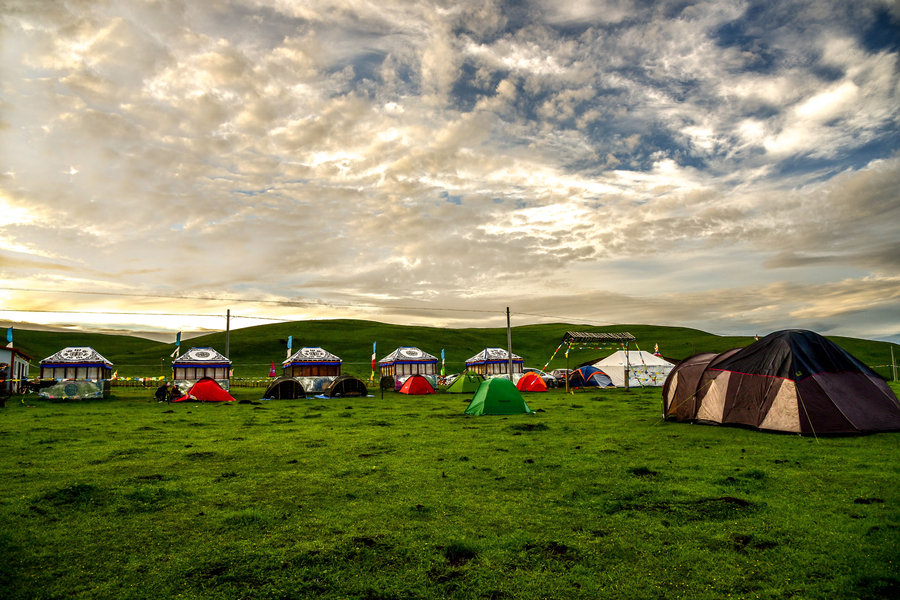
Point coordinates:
[(726, 165)]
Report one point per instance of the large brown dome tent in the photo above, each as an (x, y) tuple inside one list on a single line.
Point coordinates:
[(284, 388), (792, 380), (345, 386)]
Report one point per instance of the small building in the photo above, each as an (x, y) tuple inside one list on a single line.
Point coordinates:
[(312, 362), (491, 362), (15, 364), (406, 361), (76, 362), (81, 372), (198, 363)]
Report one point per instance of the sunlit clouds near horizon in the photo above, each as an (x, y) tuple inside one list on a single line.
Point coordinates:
[(730, 166)]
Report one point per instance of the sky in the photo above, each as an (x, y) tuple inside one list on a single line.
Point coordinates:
[(726, 165)]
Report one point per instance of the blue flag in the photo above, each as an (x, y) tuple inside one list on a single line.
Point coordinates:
[(178, 339), (9, 335), (290, 342)]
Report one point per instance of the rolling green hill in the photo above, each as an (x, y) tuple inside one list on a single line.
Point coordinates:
[(254, 349)]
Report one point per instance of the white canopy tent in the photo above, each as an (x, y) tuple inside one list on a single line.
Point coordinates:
[(644, 369)]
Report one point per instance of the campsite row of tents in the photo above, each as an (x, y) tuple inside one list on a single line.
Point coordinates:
[(493, 396), (792, 380)]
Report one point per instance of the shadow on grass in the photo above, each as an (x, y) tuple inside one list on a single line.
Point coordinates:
[(719, 508)]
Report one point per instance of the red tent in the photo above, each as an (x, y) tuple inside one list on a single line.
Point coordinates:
[(207, 390), (416, 385), (531, 382)]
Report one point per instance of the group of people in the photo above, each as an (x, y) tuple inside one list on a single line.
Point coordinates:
[(168, 392)]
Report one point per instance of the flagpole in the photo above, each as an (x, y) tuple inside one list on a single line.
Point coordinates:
[(227, 332), (508, 346)]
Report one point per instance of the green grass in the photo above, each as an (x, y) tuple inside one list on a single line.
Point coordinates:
[(254, 349), (405, 497)]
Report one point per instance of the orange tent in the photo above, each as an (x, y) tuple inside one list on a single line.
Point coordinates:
[(531, 382), (416, 385)]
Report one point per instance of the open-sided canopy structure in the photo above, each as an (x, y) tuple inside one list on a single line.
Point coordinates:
[(81, 371), (582, 340), (792, 380), (312, 362), (494, 361), (406, 361), (76, 362), (198, 363)]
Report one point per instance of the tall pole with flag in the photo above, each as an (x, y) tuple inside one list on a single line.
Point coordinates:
[(9, 338), (443, 370), (372, 376), (289, 346), (177, 345)]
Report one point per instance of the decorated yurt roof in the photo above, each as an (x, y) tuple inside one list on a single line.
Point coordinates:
[(492, 355), (201, 356), (76, 355), (405, 354), (312, 356)]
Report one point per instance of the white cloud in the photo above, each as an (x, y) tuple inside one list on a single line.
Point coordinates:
[(351, 149)]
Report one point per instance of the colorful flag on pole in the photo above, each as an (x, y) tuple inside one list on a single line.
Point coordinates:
[(443, 372), (290, 344), (372, 377), (656, 350), (177, 345)]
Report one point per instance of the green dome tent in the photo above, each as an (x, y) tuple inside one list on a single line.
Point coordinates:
[(497, 396), (467, 383)]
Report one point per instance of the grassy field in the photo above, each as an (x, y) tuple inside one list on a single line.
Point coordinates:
[(405, 497)]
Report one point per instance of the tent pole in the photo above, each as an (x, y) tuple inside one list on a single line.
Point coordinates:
[(508, 346), (227, 332), (627, 344), (893, 364)]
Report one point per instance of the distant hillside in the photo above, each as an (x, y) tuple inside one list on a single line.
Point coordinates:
[(254, 349)]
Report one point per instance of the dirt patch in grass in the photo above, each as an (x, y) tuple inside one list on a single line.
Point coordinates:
[(552, 550), (75, 495), (719, 508), (149, 499), (529, 427), (868, 501), (741, 542), (200, 454), (459, 553), (878, 587), (148, 478), (643, 472)]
